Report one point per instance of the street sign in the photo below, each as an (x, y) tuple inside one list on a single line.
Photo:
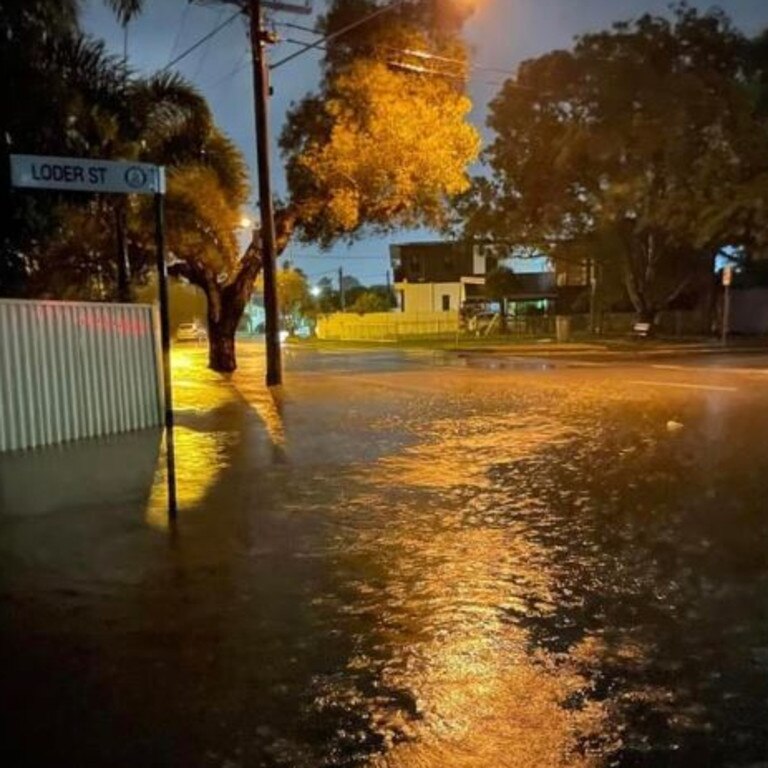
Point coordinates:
[(76, 174), (727, 275)]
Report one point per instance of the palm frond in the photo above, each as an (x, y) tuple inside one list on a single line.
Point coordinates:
[(125, 10), (166, 110)]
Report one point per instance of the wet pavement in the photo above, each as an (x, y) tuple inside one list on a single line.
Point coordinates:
[(403, 560)]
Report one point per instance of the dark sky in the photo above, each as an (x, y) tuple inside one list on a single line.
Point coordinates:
[(502, 33)]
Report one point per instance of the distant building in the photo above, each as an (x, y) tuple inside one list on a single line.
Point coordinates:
[(439, 276), (450, 277)]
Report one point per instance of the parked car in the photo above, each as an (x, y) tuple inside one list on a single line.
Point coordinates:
[(191, 332)]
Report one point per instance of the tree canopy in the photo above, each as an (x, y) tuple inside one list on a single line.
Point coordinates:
[(385, 141), (632, 145)]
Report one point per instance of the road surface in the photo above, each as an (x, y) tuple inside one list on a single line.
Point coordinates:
[(403, 560)]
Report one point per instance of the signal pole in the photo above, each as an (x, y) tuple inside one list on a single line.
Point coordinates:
[(259, 38)]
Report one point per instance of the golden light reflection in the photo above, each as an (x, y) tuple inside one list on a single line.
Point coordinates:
[(268, 404), (458, 452), (200, 459), (202, 450), (455, 583), (483, 698), (205, 436), (195, 387)]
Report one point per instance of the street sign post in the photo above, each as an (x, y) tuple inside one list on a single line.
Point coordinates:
[(727, 280), (76, 174)]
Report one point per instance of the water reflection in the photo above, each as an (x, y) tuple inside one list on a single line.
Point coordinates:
[(456, 683), (526, 587), (211, 415), (202, 457)]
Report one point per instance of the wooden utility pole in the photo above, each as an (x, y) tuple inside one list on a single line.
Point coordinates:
[(259, 38)]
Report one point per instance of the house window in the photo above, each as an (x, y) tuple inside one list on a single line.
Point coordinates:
[(446, 302)]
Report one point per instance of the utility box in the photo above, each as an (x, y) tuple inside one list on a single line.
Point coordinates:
[(562, 328), (71, 370)]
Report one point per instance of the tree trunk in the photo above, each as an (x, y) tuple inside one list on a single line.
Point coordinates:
[(221, 347), (226, 301), (226, 304)]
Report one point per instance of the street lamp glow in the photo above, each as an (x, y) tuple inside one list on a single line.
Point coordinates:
[(246, 223), (315, 290)]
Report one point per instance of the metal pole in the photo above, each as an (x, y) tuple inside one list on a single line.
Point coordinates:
[(726, 313), (267, 230), (121, 210), (592, 276), (341, 289), (165, 336), (123, 264)]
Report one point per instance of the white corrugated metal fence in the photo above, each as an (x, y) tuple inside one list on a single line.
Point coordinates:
[(70, 370)]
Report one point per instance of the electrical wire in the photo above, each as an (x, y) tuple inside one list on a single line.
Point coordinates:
[(338, 33), (179, 31), (407, 51), (325, 256), (423, 70), (204, 55), (200, 42), (243, 61)]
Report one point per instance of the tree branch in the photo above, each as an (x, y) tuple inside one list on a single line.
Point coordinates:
[(285, 224), (680, 288)]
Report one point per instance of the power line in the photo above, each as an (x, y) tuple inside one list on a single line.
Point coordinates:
[(426, 71), (243, 61), (200, 42), (179, 31), (407, 51), (204, 54), (338, 33), (300, 27)]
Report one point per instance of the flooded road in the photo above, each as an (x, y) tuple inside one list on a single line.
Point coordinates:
[(400, 562)]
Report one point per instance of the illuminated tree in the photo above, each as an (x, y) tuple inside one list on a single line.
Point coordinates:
[(294, 297), (376, 148), (371, 301)]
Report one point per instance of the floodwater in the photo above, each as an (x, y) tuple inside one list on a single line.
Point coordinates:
[(398, 565)]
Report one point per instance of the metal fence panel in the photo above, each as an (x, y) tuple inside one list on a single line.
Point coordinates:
[(70, 370)]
